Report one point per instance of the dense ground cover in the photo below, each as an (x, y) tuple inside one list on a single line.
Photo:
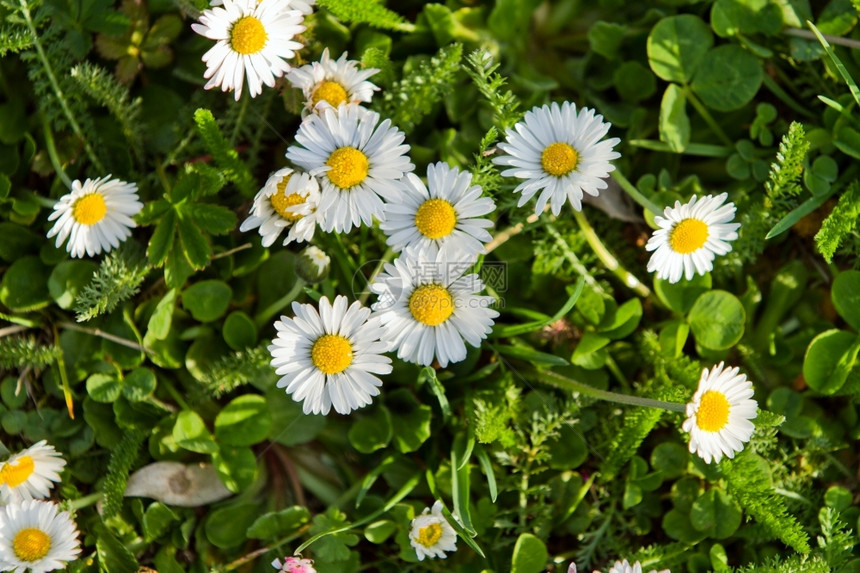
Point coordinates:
[(561, 430)]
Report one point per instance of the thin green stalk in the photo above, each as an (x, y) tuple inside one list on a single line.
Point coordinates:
[(263, 550), (86, 501), (25, 10), (706, 115), (267, 313), (608, 259), (51, 148), (572, 258), (174, 393), (635, 194), (107, 336), (785, 97), (386, 258), (243, 110), (566, 383)]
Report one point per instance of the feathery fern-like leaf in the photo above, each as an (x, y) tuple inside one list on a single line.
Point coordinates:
[(25, 352), (121, 460), (233, 371), (118, 279), (840, 223), (367, 12), (226, 158), (13, 39), (783, 184)]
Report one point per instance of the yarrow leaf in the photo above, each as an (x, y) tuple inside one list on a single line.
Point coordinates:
[(25, 352), (368, 12), (118, 279), (840, 223)]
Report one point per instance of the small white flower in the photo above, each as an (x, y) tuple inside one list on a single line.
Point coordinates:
[(621, 567), (358, 160), (329, 83), (28, 474), (312, 265), (431, 535), (35, 537), (559, 151), (689, 237), (95, 216), (328, 358), (306, 7), (294, 565), (443, 215), (718, 417), (429, 308), (288, 200), (253, 40)]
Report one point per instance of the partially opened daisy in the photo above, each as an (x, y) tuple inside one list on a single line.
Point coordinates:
[(29, 473), (358, 161), (329, 83), (621, 567), (329, 358), (34, 536), (718, 417), (294, 565), (558, 152), (430, 309), (690, 236), (443, 215), (253, 41), (95, 216), (288, 200), (431, 535)]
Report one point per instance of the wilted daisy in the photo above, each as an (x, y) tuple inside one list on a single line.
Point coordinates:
[(28, 474), (690, 236), (431, 535), (718, 417), (329, 83), (35, 537), (329, 358), (95, 216), (358, 161), (428, 308), (558, 152), (621, 567), (253, 40), (443, 215), (294, 565), (288, 200)]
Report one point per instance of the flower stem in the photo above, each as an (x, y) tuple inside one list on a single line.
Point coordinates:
[(51, 148), (267, 313), (566, 383), (706, 115), (608, 259), (635, 194), (85, 501), (386, 258)]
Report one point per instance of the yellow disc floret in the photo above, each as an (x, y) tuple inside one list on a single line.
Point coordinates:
[(349, 167), (559, 159), (713, 412), (17, 472), (430, 535), (31, 544), (248, 36), (431, 304), (331, 353), (281, 202), (689, 235), (332, 92), (435, 218), (89, 209)]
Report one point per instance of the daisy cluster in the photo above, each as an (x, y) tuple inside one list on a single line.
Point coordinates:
[(34, 534)]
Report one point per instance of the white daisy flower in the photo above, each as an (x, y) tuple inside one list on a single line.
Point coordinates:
[(253, 40), (306, 7), (312, 265), (328, 358), (29, 473), (621, 567), (294, 565), (288, 200), (358, 161), (329, 83), (95, 216), (690, 236), (428, 308), (557, 150), (443, 215), (431, 535), (35, 537), (718, 417)]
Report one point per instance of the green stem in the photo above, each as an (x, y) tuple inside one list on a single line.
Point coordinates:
[(267, 313), (386, 258), (263, 550), (85, 501), (107, 336), (51, 148), (635, 194), (608, 259), (706, 115), (243, 110), (785, 97), (162, 176), (49, 71), (572, 258), (566, 383), (174, 393)]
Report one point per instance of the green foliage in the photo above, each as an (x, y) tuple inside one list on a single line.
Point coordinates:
[(371, 12), (233, 371), (840, 224), (226, 158), (492, 85), (119, 278), (25, 352), (122, 459), (14, 39), (783, 184)]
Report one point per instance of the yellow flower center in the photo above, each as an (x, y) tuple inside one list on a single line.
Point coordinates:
[(15, 473), (431, 304), (281, 202), (31, 544), (689, 235), (89, 209), (430, 535), (331, 353), (248, 36), (559, 159), (348, 167), (713, 412), (435, 218), (332, 92)]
